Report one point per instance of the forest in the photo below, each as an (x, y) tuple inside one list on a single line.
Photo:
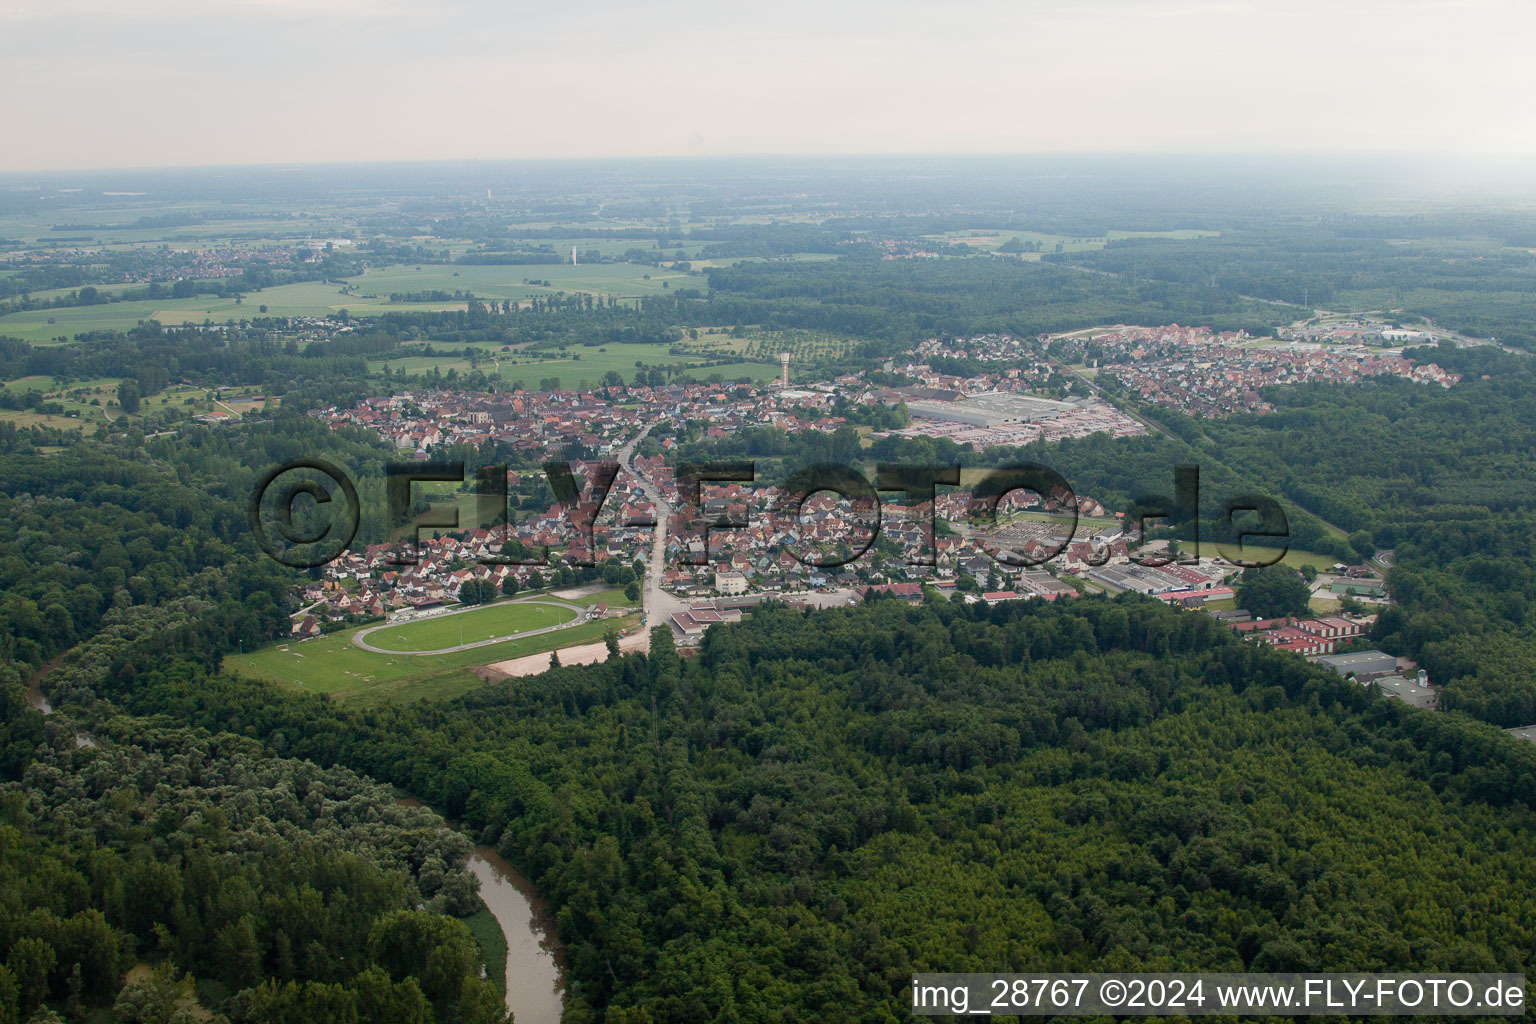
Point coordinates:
[(786, 826), (1464, 270), (210, 869), (268, 887), (1442, 477)]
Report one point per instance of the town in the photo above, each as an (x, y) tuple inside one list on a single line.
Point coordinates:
[(688, 565)]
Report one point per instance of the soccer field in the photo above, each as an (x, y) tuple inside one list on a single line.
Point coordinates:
[(444, 631)]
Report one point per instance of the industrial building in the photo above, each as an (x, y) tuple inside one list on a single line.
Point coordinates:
[(1415, 692), (1363, 665)]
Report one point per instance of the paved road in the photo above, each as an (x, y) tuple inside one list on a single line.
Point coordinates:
[(659, 606), (358, 638)]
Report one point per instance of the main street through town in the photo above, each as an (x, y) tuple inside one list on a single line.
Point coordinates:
[(657, 604)]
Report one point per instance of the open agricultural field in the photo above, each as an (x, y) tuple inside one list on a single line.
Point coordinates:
[(45, 326), (118, 224), (309, 298), (470, 627), (243, 404), (624, 281), (333, 665), (35, 382), (797, 257), (415, 365), (586, 363), (53, 421)]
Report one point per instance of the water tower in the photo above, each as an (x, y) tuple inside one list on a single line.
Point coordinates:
[(783, 369)]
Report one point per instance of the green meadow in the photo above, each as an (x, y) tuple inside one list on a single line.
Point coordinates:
[(1294, 557), (333, 665), (469, 627), (76, 398)]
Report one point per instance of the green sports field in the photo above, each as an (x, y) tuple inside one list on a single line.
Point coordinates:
[(333, 665), (444, 631)]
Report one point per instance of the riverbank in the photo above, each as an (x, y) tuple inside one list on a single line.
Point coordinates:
[(534, 972)]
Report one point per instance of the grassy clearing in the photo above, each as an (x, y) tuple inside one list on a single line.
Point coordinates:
[(25, 418), (614, 596), (588, 364), (469, 627), (77, 398), (1294, 557), (1324, 605), (35, 382), (332, 665)]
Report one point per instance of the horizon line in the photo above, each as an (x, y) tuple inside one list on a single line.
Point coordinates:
[(1401, 158)]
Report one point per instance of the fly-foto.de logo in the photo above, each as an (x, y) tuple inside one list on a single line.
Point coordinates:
[(306, 513)]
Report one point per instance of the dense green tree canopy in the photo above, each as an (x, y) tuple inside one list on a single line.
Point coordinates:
[(1273, 591)]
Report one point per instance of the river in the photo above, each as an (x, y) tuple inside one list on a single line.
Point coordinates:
[(534, 991)]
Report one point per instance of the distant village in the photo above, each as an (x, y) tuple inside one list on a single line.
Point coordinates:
[(1203, 373)]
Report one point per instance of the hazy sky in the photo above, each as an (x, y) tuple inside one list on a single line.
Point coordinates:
[(93, 83)]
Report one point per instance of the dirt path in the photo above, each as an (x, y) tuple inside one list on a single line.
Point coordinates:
[(585, 654)]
